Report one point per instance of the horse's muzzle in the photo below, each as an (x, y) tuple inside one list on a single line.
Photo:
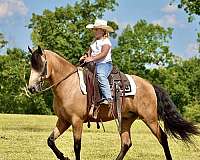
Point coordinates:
[(34, 88)]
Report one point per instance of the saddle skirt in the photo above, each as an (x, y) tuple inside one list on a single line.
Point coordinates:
[(129, 84)]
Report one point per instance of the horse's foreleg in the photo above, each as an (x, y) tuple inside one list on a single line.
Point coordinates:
[(58, 130), (77, 126), (125, 137)]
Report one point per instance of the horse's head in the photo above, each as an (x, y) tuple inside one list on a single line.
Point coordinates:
[(39, 70)]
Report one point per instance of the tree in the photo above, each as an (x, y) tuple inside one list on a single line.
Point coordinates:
[(143, 44), (63, 30), (3, 42), (182, 82), (14, 71), (191, 7)]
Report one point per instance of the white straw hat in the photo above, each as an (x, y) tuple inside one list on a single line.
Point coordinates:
[(99, 23)]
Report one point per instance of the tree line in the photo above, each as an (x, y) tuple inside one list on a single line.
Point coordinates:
[(139, 47)]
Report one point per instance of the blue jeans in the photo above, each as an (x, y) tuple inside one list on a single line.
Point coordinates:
[(103, 70)]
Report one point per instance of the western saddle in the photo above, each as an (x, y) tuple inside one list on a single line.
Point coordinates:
[(116, 78)]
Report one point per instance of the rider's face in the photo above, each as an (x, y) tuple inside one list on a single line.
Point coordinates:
[(98, 32)]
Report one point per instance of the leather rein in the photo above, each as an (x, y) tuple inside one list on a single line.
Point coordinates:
[(44, 74)]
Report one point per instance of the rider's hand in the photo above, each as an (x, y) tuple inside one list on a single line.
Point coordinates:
[(82, 58), (88, 59)]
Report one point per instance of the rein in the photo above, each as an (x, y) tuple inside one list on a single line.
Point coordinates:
[(44, 73), (55, 84)]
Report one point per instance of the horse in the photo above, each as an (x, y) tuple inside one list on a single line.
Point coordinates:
[(150, 104)]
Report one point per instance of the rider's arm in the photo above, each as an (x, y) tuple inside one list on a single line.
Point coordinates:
[(104, 51), (87, 54)]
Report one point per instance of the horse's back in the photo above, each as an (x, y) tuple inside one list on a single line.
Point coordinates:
[(143, 84)]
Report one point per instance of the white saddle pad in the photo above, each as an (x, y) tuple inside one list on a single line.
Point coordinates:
[(83, 86)]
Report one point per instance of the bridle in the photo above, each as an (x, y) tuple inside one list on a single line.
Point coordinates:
[(43, 76)]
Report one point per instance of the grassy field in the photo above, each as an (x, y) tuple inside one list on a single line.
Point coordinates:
[(23, 137)]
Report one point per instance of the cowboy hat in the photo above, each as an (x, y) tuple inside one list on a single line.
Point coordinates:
[(99, 23)]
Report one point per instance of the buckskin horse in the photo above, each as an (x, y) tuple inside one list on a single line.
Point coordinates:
[(150, 104)]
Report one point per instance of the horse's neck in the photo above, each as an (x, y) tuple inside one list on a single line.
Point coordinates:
[(59, 67)]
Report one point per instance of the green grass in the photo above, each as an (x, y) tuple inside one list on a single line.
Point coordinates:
[(23, 137)]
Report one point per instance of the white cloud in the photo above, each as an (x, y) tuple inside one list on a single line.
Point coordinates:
[(169, 8), (11, 7), (192, 48), (121, 24), (170, 18), (167, 21)]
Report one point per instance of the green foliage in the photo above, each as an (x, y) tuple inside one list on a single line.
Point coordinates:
[(190, 7), (182, 82), (63, 30), (14, 72), (3, 42), (193, 111), (143, 44)]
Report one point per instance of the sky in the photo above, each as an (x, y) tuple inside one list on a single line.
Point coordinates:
[(15, 15)]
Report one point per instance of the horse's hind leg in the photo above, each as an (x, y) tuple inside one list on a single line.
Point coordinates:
[(125, 137), (58, 130), (161, 136)]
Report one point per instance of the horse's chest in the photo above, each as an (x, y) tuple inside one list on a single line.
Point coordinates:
[(61, 110)]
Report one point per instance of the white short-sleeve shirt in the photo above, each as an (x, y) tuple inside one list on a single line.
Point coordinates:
[(96, 47)]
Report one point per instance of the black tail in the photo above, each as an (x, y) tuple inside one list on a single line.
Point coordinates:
[(174, 124)]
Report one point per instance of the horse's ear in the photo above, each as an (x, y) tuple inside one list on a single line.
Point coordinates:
[(40, 50), (30, 50)]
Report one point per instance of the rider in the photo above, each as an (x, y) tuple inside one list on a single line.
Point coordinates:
[(100, 53)]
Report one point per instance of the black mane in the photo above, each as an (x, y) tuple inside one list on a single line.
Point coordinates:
[(36, 61)]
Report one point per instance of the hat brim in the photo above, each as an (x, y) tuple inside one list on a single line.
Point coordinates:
[(107, 28)]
